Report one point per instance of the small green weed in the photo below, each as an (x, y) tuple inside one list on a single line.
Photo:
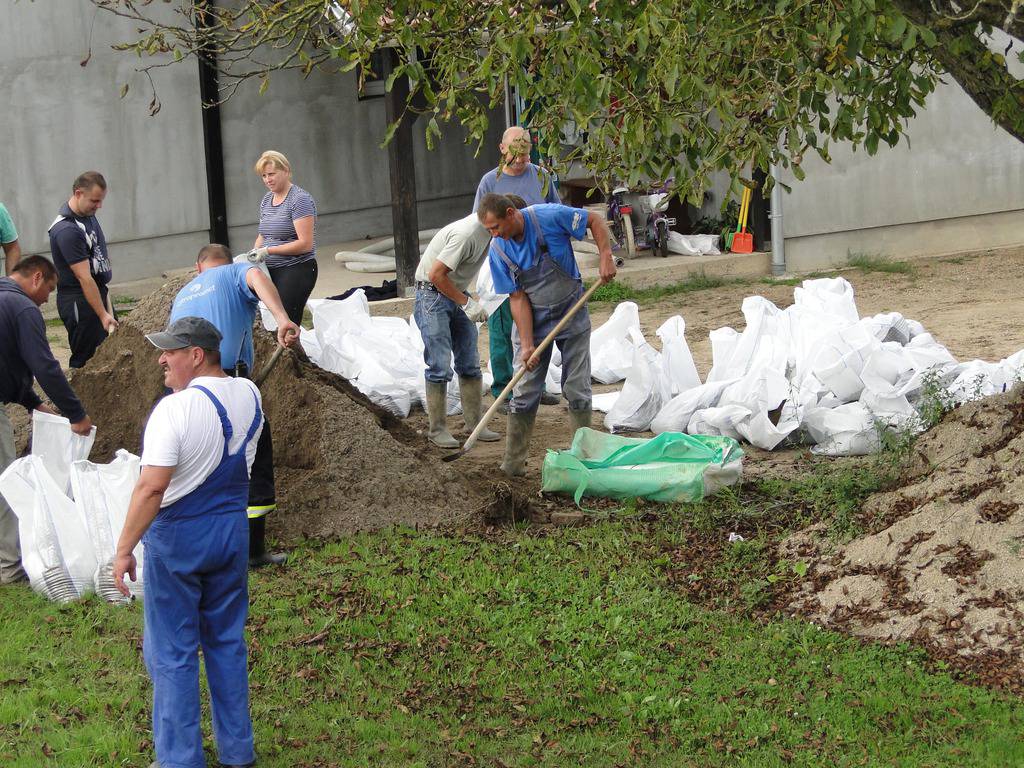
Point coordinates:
[(616, 292), (874, 263)]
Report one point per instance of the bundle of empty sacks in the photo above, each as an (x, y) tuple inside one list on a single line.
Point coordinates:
[(70, 512), (815, 373)]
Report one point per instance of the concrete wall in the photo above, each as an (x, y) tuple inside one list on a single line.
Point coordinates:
[(956, 185), (61, 119)]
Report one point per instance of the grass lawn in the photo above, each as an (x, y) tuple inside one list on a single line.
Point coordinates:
[(558, 647)]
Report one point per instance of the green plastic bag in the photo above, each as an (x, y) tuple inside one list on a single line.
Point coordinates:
[(670, 467)]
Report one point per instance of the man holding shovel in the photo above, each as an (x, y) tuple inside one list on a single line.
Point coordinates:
[(228, 295), (531, 259)]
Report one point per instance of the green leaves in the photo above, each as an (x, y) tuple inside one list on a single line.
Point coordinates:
[(682, 88)]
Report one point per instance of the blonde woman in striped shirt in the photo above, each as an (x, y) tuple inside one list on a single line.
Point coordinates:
[(287, 233)]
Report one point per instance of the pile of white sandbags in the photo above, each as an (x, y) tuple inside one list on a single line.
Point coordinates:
[(815, 372), (381, 356), (70, 512)]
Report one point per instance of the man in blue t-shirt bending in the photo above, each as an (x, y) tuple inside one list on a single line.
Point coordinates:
[(227, 295), (516, 175), (531, 259)]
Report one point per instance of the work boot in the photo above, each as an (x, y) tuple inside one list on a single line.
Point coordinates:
[(472, 399), (517, 443), (550, 398), (437, 415), (258, 555), (579, 419)]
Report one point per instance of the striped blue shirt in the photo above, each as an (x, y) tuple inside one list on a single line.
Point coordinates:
[(277, 224)]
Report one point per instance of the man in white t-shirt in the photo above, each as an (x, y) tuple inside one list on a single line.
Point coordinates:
[(189, 510), (447, 316)]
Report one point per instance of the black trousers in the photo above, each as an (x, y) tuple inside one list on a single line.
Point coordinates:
[(262, 496), (262, 492), (295, 283), (85, 331)]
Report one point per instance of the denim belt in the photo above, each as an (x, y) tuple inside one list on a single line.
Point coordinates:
[(426, 286)]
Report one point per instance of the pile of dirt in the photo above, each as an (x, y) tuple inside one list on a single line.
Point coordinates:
[(946, 570), (342, 464)]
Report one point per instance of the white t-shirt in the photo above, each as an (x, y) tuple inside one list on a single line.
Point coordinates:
[(461, 246), (184, 431)]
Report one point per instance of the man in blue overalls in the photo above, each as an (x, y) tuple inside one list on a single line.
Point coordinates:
[(188, 508), (531, 259)]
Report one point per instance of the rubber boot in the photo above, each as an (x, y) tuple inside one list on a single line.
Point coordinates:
[(579, 419), (437, 415), (472, 399), (258, 555), (517, 443), (549, 398)]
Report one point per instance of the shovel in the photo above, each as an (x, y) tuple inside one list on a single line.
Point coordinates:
[(485, 419), (260, 377)]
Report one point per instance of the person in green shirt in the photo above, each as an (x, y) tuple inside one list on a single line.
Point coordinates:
[(9, 240)]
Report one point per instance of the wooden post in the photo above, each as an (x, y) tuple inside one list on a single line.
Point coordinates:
[(403, 181), (759, 208)]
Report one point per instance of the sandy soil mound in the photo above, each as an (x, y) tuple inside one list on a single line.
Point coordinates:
[(946, 571), (341, 463)]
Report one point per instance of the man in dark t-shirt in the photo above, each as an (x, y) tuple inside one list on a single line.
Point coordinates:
[(79, 252)]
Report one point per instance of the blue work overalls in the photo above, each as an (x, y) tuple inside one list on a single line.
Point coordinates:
[(552, 293), (197, 593)]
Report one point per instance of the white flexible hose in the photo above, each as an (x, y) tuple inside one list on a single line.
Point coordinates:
[(370, 266), (388, 243)]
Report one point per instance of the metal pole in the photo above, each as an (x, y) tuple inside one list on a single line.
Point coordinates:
[(213, 145), (778, 239)]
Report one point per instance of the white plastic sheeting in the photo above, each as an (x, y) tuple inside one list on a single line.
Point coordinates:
[(381, 356), (67, 545)]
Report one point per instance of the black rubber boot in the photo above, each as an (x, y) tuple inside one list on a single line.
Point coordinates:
[(258, 555)]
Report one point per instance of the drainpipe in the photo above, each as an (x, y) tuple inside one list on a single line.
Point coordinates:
[(778, 240)]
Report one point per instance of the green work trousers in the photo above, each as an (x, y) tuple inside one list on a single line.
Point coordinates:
[(499, 333)]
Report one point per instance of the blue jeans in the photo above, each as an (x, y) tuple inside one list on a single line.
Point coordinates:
[(445, 329)]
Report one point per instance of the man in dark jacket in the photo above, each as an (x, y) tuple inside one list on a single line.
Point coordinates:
[(25, 354), (79, 252)]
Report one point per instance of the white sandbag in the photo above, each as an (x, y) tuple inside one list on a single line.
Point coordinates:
[(604, 401), (489, 299), (693, 245), (102, 496), (764, 342), (645, 392), (889, 371), (718, 420), (57, 553), (976, 379), (761, 392), (611, 346), (723, 342), (847, 430), (55, 443), (829, 297), (676, 414), (676, 358)]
